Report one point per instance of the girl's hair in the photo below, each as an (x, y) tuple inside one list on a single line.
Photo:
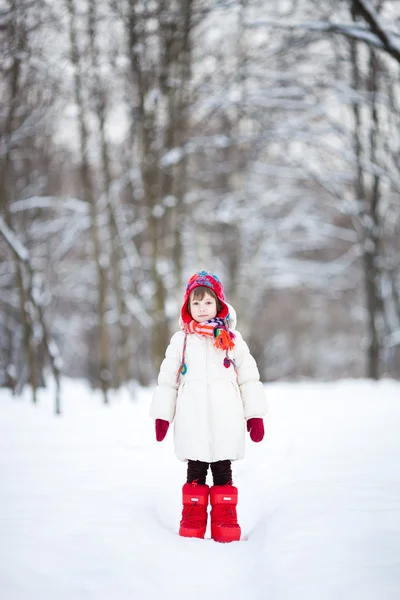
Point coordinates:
[(199, 293)]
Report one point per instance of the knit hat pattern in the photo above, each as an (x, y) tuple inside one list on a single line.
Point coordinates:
[(204, 279)]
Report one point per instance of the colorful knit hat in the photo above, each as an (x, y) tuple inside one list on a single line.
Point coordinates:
[(206, 279)]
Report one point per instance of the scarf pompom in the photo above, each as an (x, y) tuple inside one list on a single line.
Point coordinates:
[(224, 340)]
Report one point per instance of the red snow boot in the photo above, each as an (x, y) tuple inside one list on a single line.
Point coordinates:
[(194, 513), (224, 525)]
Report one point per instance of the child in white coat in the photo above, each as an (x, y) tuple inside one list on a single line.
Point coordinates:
[(209, 385)]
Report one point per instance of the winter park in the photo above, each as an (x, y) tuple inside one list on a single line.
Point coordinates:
[(200, 300)]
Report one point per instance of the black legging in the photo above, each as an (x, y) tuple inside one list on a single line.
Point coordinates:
[(221, 471)]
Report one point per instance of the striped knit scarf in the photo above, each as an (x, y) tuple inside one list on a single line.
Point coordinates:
[(215, 328)]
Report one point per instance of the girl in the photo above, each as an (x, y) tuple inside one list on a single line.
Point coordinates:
[(209, 383)]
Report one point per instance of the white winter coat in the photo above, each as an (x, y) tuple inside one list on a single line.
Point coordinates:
[(211, 403)]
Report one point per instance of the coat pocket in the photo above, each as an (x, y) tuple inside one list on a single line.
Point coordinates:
[(236, 387), (237, 391), (179, 396)]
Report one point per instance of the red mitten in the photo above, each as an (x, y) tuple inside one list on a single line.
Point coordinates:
[(161, 429), (255, 427)]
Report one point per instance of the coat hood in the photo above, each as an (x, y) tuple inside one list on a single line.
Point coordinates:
[(209, 280)]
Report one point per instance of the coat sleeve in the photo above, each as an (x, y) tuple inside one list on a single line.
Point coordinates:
[(251, 388), (164, 398)]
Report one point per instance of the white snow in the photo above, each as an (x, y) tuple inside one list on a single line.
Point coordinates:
[(90, 502)]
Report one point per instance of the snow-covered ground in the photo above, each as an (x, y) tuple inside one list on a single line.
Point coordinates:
[(90, 503)]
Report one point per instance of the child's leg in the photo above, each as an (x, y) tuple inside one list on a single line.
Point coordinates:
[(197, 471), (221, 472), (223, 498)]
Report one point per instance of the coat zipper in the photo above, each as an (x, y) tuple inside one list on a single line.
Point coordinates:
[(209, 405)]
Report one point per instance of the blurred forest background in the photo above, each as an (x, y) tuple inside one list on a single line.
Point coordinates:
[(141, 141)]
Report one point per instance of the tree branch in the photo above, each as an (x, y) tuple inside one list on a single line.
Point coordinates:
[(22, 255), (374, 35), (363, 8)]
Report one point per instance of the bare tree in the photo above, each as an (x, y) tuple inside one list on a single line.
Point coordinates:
[(159, 71), (23, 122), (100, 256), (35, 311)]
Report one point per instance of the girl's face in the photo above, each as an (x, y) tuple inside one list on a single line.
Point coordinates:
[(203, 310)]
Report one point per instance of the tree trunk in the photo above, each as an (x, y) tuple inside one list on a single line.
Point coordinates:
[(99, 255), (5, 198), (368, 203), (27, 327), (182, 132), (149, 163)]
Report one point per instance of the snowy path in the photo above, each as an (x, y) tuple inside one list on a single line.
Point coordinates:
[(90, 503)]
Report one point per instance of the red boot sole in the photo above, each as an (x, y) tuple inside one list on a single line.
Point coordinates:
[(192, 533), (226, 537)]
